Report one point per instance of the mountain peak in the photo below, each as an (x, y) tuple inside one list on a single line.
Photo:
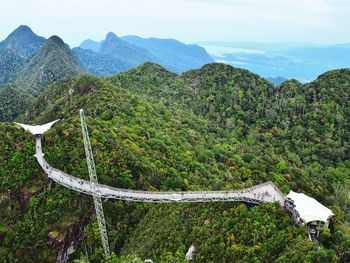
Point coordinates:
[(111, 36), (152, 68), (22, 30), (52, 62), (57, 40), (23, 41), (111, 43)]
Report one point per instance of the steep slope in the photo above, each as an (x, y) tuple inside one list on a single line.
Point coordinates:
[(10, 64), (52, 62), (176, 56), (296, 135), (23, 42), (133, 154)]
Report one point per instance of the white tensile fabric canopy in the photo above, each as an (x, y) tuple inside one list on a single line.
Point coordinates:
[(37, 129), (309, 208)]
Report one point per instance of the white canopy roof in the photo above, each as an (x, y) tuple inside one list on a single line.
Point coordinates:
[(37, 129), (309, 208)]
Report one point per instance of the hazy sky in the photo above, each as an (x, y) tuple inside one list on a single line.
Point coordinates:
[(322, 21)]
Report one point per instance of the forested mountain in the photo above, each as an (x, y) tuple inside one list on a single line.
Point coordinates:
[(111, 55), (52, 62), (214, 128), (215, 91), (217, 127), (28, 64), (23, 42), (176, 56), (22, 50), (115, 54)]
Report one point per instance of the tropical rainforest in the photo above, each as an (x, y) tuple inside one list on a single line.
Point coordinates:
[(213, 128)]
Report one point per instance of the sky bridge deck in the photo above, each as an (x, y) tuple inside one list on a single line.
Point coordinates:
[(265, 192)]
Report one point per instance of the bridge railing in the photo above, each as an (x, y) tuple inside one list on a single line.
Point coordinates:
[(106, 191)]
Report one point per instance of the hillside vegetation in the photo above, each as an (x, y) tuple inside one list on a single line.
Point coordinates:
[(214, 128), (10, 64), (52, 62), (31, 63), (24, 79), (13, 102)]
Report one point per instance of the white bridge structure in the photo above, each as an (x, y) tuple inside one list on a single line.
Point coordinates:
[(265, 192)]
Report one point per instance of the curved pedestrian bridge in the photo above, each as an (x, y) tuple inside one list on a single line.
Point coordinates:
[(265, 192)]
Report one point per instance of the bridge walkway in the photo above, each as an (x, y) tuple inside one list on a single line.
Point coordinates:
[(265, 192)]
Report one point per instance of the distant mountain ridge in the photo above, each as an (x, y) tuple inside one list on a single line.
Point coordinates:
[(123, 50), (133, 51), (91, 45), (110, 56), (107, 57), (176, 55)]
